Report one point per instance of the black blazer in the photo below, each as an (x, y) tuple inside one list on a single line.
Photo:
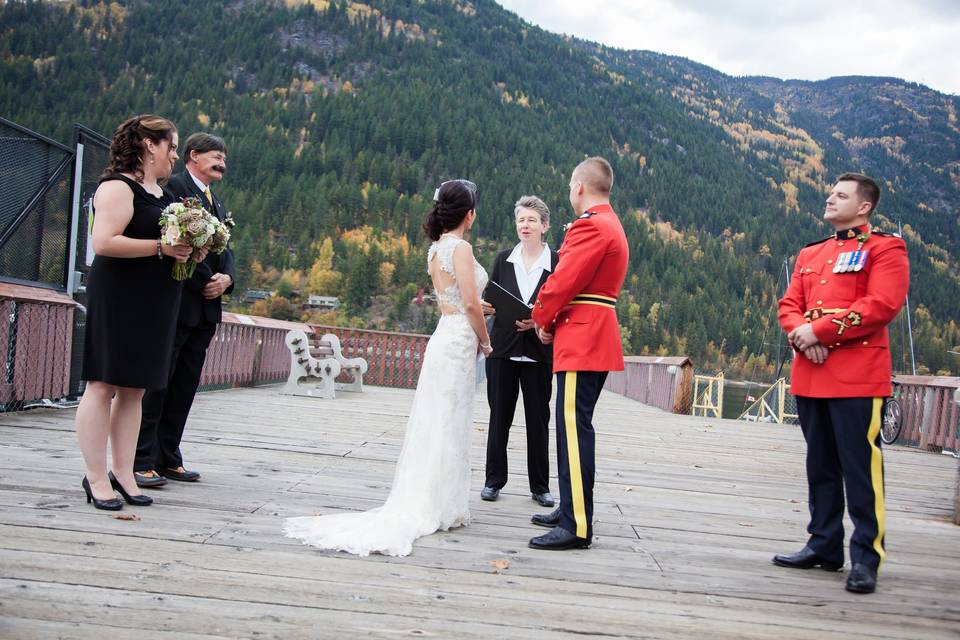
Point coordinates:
[(507, 342), (194, 308)]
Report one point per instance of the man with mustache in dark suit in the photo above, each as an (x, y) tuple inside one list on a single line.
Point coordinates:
[(165, 411)]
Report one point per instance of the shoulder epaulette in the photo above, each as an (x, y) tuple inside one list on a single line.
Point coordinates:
[(817, 242), (886, 234), (586, 215)]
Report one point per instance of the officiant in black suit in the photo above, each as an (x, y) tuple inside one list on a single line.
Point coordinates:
[(165, 411), (519, 360)]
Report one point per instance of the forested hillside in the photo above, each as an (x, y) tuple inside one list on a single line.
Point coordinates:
[(342, 117)]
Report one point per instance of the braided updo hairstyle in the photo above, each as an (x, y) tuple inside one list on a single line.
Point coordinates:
[(451, 203), (127, 148)]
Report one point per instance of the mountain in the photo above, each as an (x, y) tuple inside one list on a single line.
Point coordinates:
[(342, 117)]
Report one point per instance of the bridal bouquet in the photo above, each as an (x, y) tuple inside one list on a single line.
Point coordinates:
[(187, 222)]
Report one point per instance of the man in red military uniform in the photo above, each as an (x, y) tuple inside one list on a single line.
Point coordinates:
[(576, 310), (844, 292)]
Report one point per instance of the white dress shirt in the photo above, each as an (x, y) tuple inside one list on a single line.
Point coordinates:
[(527, 279), (203, 187)]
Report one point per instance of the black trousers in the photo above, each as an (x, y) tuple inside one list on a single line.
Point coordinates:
[(577, 395), (843, 451), (505, 379), (165, 411)]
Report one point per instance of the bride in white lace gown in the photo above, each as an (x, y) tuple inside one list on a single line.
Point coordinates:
[(431, 484)]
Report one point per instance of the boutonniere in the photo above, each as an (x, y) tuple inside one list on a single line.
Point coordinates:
[(863, 237), (228, 220)]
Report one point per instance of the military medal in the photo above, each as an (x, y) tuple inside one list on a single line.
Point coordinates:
[(843, 262), (852, 261)]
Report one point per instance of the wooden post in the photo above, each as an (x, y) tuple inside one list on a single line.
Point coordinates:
[(956, 493)]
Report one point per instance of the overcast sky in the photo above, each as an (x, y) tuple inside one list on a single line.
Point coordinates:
[(918, 40)]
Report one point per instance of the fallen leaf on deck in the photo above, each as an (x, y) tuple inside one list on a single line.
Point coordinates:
[(794, 501), (126, 516), (628, 489), (745, 524), (500, 565)]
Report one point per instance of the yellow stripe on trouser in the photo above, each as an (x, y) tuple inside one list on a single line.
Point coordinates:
[(876, 475), (573, 453)]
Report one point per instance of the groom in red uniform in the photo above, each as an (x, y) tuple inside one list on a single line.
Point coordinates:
[(844, 292), (576, 310)]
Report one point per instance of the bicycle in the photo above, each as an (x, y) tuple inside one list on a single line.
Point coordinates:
[(892, 420)]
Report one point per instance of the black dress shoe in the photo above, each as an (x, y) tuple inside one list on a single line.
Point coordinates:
[(112, 504), (489, 494), (862, 579), (140, 500), (543, 499), (549, 520), (148, 479), (806, 558), (181, 474), (557, 540)]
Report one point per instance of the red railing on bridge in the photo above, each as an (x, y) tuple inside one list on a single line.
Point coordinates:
[(248, 350), (36, 336), (394, 358), (931, 414)]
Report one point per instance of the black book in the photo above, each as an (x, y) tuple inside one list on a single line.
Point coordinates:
[(509, 307)]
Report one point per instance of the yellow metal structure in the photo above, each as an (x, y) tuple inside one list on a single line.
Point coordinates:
[(775, 405), (708, 396)]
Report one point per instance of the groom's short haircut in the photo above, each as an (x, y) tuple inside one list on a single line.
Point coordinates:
[(595, 174), (202, 143), (867, 188)]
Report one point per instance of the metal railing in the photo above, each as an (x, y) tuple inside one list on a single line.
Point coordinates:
[(931, 413), (774, 405), (34, 207), (248, 350), (394, 359), (708, 396), (36, 333)]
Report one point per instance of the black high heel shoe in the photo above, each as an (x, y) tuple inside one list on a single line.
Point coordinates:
[(113, 504), (140, 501)]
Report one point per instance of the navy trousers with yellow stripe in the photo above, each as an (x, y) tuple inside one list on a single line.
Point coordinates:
[(577, 395), (843, 450)]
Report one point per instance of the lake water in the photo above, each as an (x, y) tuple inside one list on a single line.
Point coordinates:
[(734, 396)]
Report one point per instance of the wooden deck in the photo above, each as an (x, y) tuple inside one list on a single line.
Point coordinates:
[(689, 512)]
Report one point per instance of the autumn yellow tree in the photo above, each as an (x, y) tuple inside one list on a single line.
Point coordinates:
[(323, 279)]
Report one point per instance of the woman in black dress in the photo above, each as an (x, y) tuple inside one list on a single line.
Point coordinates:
[(132, 303)]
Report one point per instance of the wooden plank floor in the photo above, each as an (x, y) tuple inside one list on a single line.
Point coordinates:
[(689, 512)]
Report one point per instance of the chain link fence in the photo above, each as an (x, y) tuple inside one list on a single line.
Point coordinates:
[(34, 206)]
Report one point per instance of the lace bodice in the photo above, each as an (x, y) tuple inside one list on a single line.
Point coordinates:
[(450, 295)]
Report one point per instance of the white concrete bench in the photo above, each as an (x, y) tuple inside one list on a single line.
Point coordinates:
[(315, 366)]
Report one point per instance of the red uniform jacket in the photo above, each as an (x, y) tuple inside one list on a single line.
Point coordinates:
[(577, 302), (849, 311)]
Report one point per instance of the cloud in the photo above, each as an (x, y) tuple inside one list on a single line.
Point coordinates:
[(805, 39)]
